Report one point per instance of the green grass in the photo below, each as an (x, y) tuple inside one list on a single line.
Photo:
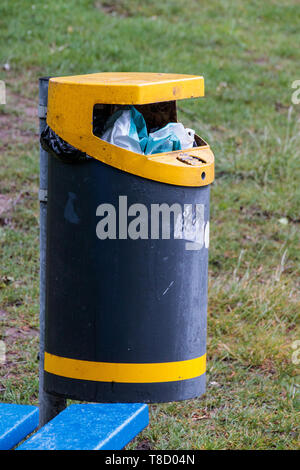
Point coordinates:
[(247, 52)]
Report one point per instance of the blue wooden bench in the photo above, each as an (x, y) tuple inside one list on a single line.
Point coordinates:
[(79, 427)]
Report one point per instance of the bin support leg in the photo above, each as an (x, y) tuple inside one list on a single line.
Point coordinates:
[(49, 405)]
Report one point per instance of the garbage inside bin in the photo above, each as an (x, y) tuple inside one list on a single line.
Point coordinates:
[(174, 136), (127, 128)]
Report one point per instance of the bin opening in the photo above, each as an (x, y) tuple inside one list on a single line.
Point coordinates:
[(156, 115), (146, 129)]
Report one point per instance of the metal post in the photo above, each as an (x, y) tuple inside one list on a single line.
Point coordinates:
[(49, 405)]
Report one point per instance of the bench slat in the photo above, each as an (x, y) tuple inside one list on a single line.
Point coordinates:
[(91, 427), (16, 422)]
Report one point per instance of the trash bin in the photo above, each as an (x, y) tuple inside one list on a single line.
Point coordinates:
[(127, 247)]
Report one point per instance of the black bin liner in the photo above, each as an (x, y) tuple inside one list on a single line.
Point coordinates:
[(56, 146)]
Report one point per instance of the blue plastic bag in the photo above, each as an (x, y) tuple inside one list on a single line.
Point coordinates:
[(163, 140), (127, 128)]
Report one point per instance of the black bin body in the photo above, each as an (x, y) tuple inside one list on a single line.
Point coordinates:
[(119, 301)]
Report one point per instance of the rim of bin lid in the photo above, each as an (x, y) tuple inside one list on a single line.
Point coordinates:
[(135, 87)]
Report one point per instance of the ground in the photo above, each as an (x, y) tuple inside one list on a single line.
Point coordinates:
[(247, 52)]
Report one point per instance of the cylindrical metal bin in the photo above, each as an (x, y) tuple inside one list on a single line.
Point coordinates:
[(126, 311)]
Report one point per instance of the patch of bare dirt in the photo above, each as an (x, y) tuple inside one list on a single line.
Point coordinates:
[(12, 131), (13, 333), (19, 121), (112, 8), (3, 314), (261, 60), (6, 203), (268, 367), (27, 106), (15, 355), (144, 445)]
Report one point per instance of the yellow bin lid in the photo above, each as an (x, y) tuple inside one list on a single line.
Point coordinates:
[(135, 87), (70, 112)]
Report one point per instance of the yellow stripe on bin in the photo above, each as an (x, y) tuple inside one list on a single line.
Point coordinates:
[(125, 372)]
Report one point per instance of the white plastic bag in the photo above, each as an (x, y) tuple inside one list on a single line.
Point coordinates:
[(185, 135), (127, 129), (173, 136), (123, 134)]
